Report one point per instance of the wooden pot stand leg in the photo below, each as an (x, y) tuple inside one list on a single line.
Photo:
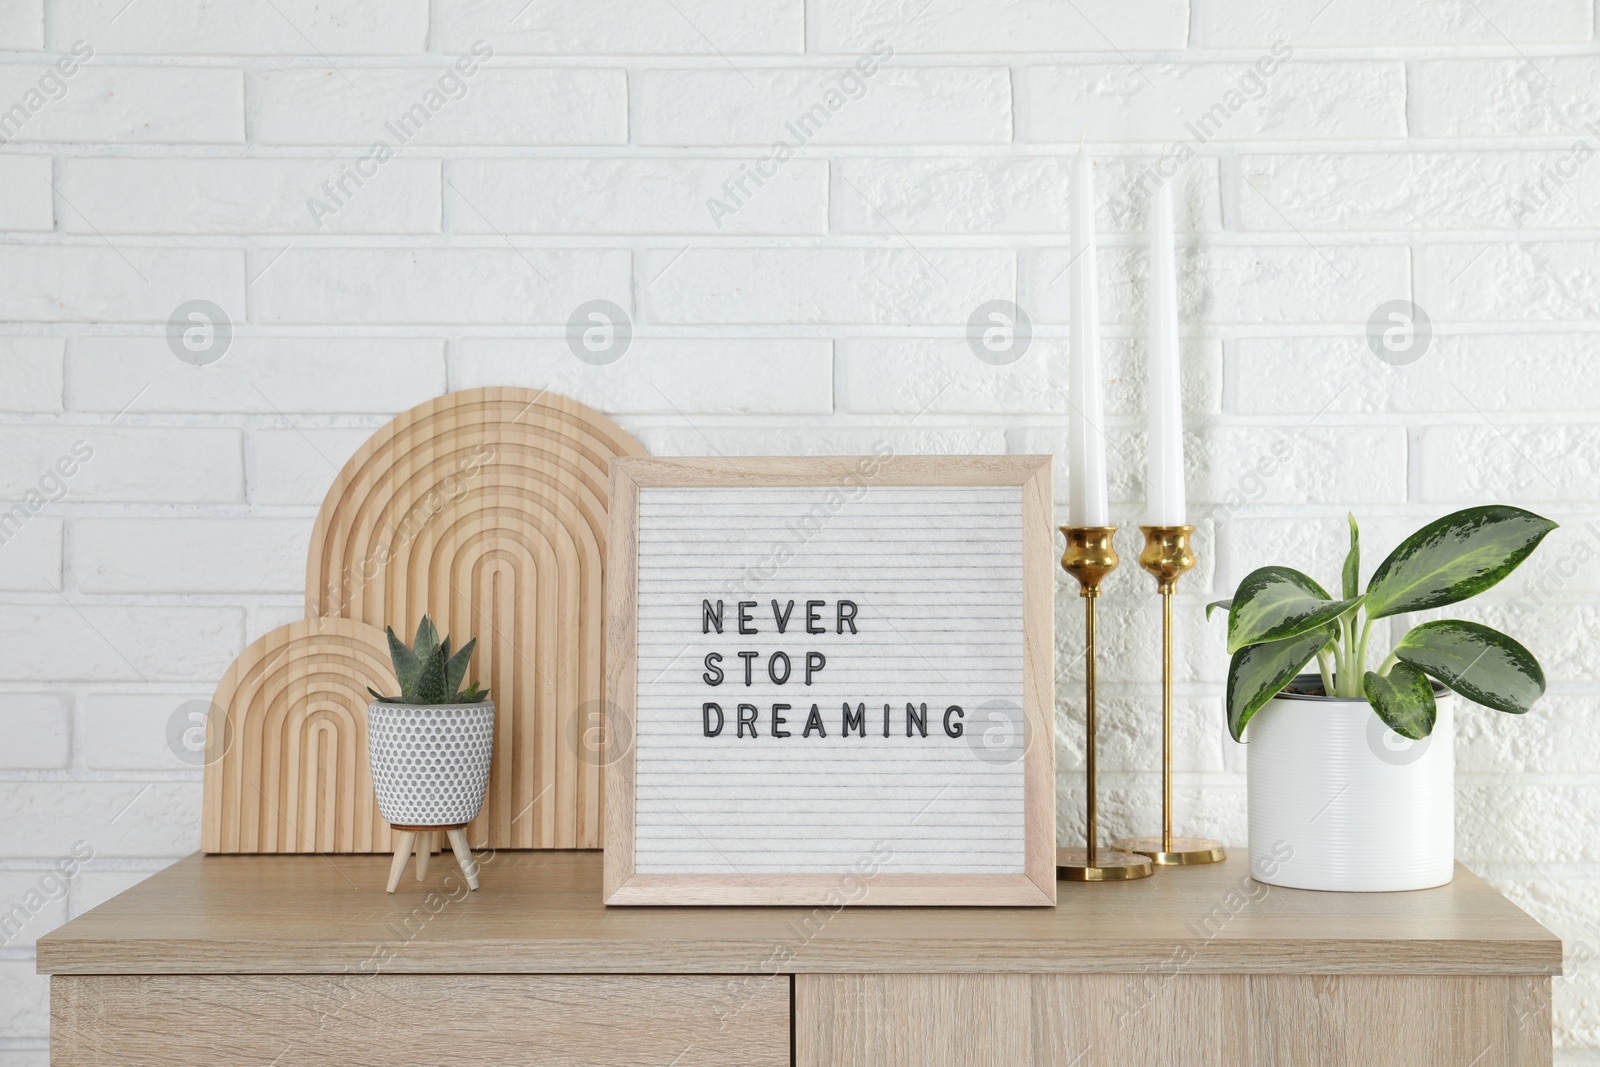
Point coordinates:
[(423, 839)]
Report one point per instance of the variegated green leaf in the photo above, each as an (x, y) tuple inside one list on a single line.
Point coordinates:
[(1274, 603), (1453, 558), (1258, 673), (1351, 575), (1403, 700), (430, 684), (407, 665), (1480, 663), (456, 668), (427, 639), (1215, 604)]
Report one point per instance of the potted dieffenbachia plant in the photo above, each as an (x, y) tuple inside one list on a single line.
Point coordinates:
[(1351, 767), (430, 748)]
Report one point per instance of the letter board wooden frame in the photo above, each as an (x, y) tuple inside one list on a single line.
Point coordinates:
[(830, 681)]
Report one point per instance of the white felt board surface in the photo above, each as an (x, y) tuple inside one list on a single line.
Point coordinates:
[(935, 578)]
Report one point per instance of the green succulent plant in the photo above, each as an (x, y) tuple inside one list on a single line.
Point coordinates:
[(429, 672), (1280, 619)]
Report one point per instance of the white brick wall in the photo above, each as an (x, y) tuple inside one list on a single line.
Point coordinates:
[(804, 297)]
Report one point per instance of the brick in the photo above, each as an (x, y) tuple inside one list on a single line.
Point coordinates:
[(1307, 23), (35, 731), (823, 285), (299, 466), (685, 27), (1126, 807), (497, 106), (1526, 463), (31, 369), (1236, 468), (681, 440), (22, 26), (1128, 641), (1553, 96), (98, 463), (1232, 283), (268, 618), (260, 375), (632, 196), (439, 285), (284, 27), (28, 205), (117, 819), (1194, 104), (190, 555), (823, 106), (123, 283), (26, 996), (1417, 190), (1477, 282), (30, 553), (1021, 195), (1128, 736), (239, 196), (32, 903), (1556, 736), (129, 105), (1461, 373), (663, 376), (131, 731), (1124, 464), (1509, 822), (104, 643), (1576, 1022), (1249, 465), (943, 376), (968, 26)]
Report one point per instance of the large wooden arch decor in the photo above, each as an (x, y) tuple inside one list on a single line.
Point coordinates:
[(485, 509)]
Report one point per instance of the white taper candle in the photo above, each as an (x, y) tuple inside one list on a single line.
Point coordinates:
[(1086, 499), (1164, 473)]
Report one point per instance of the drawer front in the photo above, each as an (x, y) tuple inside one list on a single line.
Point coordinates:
[(444, 1020), (1171, 1019)]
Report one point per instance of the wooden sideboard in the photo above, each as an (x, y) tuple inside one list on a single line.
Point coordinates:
[(295, 961)]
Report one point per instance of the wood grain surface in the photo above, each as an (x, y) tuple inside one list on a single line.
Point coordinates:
[(541, 912), (485, 509), (1182, 1020), (365, 1020), (939, 880), (286, 752)]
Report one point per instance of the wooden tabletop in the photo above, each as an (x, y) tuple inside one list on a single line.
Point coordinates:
[(540, 912)]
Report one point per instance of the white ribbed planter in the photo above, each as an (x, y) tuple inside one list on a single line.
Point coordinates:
[(430, 762), (1339, 801)]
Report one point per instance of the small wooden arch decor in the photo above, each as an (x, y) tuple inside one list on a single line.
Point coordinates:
[(287, 772), (485, 509)]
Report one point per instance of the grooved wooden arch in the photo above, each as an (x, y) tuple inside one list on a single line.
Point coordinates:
[(287, 771), (485, 509)]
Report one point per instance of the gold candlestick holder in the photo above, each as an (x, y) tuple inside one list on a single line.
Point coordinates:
[(1089, 558), (1167, 556)]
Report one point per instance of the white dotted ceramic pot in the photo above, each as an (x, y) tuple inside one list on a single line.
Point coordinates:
[(1339, 801), (430, 762)]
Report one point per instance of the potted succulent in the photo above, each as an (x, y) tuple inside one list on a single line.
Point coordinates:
[(430, 749), (1351, 768)]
